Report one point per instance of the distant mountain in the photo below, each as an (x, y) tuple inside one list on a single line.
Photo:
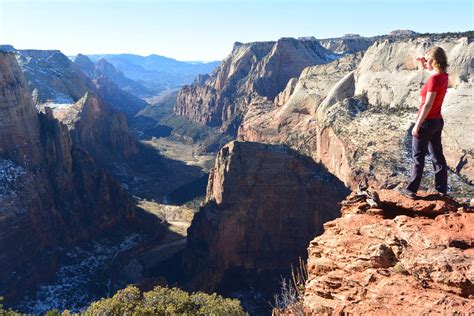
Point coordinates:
[(348, 44), (112, 85), (103, 69), (403, 33), (155, 72)]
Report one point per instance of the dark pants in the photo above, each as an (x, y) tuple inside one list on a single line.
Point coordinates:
[(429, 140)]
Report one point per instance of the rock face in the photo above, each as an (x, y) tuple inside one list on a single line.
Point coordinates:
[(89, 109), (412, 257), (56, 81), (51, 192), (263, 204), (52, 77), (259, 69), (354, 115), (99, 130), (18, 121), (292, 120), (348, 44)]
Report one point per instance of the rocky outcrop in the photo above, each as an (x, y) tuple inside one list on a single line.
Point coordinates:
[(403, 33), (52, 77), (357, 122), (56, 81), (259, 69), (263, 204), (97, 124), (19, 140), (59, 84), (347, 44), (295, 122), (397, 256), (97, 129), (51, 192)]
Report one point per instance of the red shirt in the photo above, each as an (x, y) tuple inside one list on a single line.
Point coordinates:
[(436, 83)]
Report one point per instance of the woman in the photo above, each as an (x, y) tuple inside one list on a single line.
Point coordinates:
[(429, 125)]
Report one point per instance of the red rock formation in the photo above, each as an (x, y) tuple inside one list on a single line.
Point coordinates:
[(364, 110), (98, 124), (254, 69), (400, 257), (98, 129), (51, 192), (263, 204), (19, 140)]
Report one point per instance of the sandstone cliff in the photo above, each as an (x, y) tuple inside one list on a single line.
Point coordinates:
[(52, 77), (96, 128), (51, 192), (401, 257), (356, 120), (58, 83), (259, 69), (347, 44), (263, 204)]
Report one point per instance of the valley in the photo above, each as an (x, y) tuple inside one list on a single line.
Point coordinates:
[(221, 177)]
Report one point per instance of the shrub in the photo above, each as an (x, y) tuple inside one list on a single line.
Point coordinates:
[(9, 312), (164, 301)]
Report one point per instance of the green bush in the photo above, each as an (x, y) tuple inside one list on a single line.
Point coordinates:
[(164, 301), (4, 312)]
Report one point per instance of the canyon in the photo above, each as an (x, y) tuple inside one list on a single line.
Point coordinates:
[(335, 111), (228, 183), (353, 116), (52, 194)]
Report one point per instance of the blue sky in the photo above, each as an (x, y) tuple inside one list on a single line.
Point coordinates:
[(206, 29)]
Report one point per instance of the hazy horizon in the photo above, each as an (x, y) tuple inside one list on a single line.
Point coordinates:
[(205, 30)]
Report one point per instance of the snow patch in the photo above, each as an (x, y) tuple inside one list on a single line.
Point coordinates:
[(83, 277), (9, 174), (60, 100)]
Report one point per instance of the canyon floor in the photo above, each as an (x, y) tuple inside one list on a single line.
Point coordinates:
[(97, 269)]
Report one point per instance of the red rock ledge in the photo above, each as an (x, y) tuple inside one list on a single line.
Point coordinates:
[(389, 255)]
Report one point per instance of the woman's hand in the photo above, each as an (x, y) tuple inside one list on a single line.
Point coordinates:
[(422, 60)]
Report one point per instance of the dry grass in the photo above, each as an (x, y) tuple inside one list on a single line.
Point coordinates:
[(290, 299)]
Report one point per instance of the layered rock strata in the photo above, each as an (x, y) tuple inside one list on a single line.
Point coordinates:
[(99, 130), (58, 83), (357, 120), (51, 191), (347, 44), (398, 257), (259, 69), (263, 204)]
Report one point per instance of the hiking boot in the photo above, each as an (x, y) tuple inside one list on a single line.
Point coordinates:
[(407, 193), (442, 194)]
